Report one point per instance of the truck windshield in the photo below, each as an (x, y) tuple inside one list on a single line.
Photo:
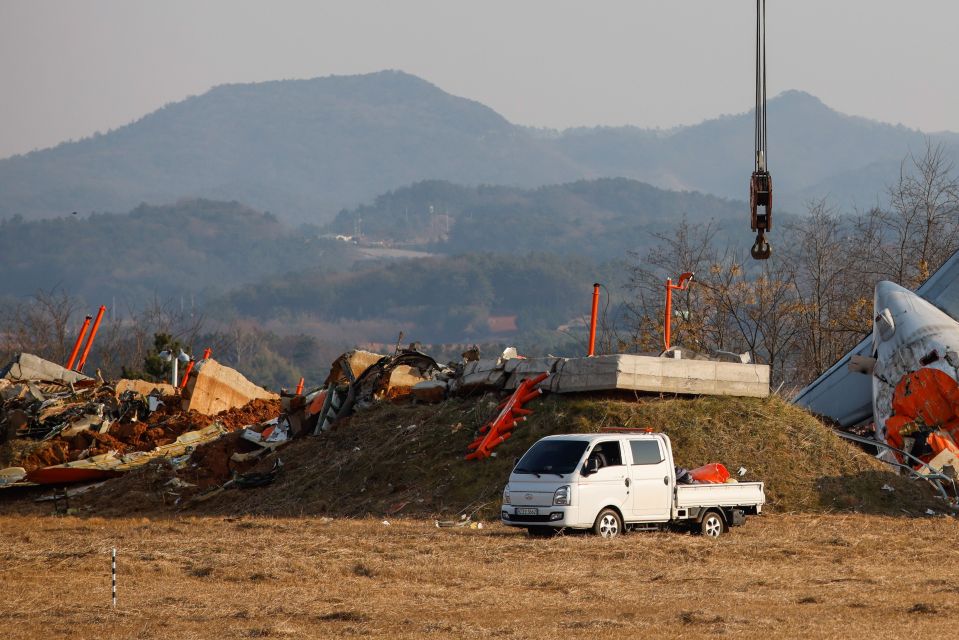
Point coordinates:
[(552, 456)]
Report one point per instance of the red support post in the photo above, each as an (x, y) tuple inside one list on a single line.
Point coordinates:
[(669, 313), (592, 321), (93, 334), (186, 374), (76, 345), (509, 414), (189, 367), (682, 285)]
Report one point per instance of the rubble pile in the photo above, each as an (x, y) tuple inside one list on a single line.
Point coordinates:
[(58, 427)]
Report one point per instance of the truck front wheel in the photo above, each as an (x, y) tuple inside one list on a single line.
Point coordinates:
[(712, 525), (608, 524)]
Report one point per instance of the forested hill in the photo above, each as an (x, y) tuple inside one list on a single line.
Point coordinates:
[(198, 245), (169, 250), (304, 149), (300, 148), (601, 219), (814, 152)]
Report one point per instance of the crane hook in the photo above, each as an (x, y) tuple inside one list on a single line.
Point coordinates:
[(760, 249)]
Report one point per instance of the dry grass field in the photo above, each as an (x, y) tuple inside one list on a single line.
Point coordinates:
[(816, 576)]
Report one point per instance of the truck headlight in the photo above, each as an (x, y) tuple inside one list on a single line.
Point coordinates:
[(561, 496), (506, 495)]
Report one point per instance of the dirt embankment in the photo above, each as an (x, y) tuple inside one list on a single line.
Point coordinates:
[(408, 460)]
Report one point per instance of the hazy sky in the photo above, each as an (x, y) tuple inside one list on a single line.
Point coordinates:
[(70, 68)]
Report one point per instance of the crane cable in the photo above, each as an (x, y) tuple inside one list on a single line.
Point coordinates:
[(760, 133), (760, 183)]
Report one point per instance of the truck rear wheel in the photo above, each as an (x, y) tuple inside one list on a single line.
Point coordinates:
[(712, 525), (608, 524)]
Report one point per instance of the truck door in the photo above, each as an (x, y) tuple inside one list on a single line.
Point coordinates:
[(650, 488), (608, 486)]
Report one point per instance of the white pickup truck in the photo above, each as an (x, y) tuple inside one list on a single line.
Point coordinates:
[(611, 482)]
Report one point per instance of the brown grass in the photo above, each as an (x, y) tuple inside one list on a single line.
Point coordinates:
[(822, 576)]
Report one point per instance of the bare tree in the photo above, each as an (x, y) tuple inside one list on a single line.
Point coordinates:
[(920, 229), (686, 248), (41, 325), (834, 309)]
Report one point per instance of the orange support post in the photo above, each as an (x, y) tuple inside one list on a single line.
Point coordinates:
[(592, 321), (76, 345), (186, 374), (299, 387), (93, 334), (683, 284), (189, 367)]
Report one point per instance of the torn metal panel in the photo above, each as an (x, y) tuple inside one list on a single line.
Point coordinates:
[(350, 366), (374, 383)]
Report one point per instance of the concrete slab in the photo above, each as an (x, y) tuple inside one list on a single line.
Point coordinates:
[(26, 366), (482, 373), (660, 375), (520, 370)]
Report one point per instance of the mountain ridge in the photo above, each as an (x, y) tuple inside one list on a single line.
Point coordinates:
[(304, 149)]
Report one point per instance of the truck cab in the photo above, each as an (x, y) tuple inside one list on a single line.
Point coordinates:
[(610, 482)]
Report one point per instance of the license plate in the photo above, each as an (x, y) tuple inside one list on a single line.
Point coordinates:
[(527, 511)]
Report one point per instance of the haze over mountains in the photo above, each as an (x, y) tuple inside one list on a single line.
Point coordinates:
[(305, 149)]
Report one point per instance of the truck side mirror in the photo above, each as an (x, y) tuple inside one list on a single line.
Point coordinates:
[(591, 466)]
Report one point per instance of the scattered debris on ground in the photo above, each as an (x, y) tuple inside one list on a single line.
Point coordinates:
[(391, 432)]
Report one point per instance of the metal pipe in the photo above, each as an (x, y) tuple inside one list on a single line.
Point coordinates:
[(175, 377), (93, 334), (76, 345), (592, 321)]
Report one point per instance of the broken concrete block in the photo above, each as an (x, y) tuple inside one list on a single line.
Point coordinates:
[(943, 459), (214, 388), (143, 387), (430, 391), (402, 380), (12, 474), (26, 366), (660, 375), (521, 369), (488, 374)]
